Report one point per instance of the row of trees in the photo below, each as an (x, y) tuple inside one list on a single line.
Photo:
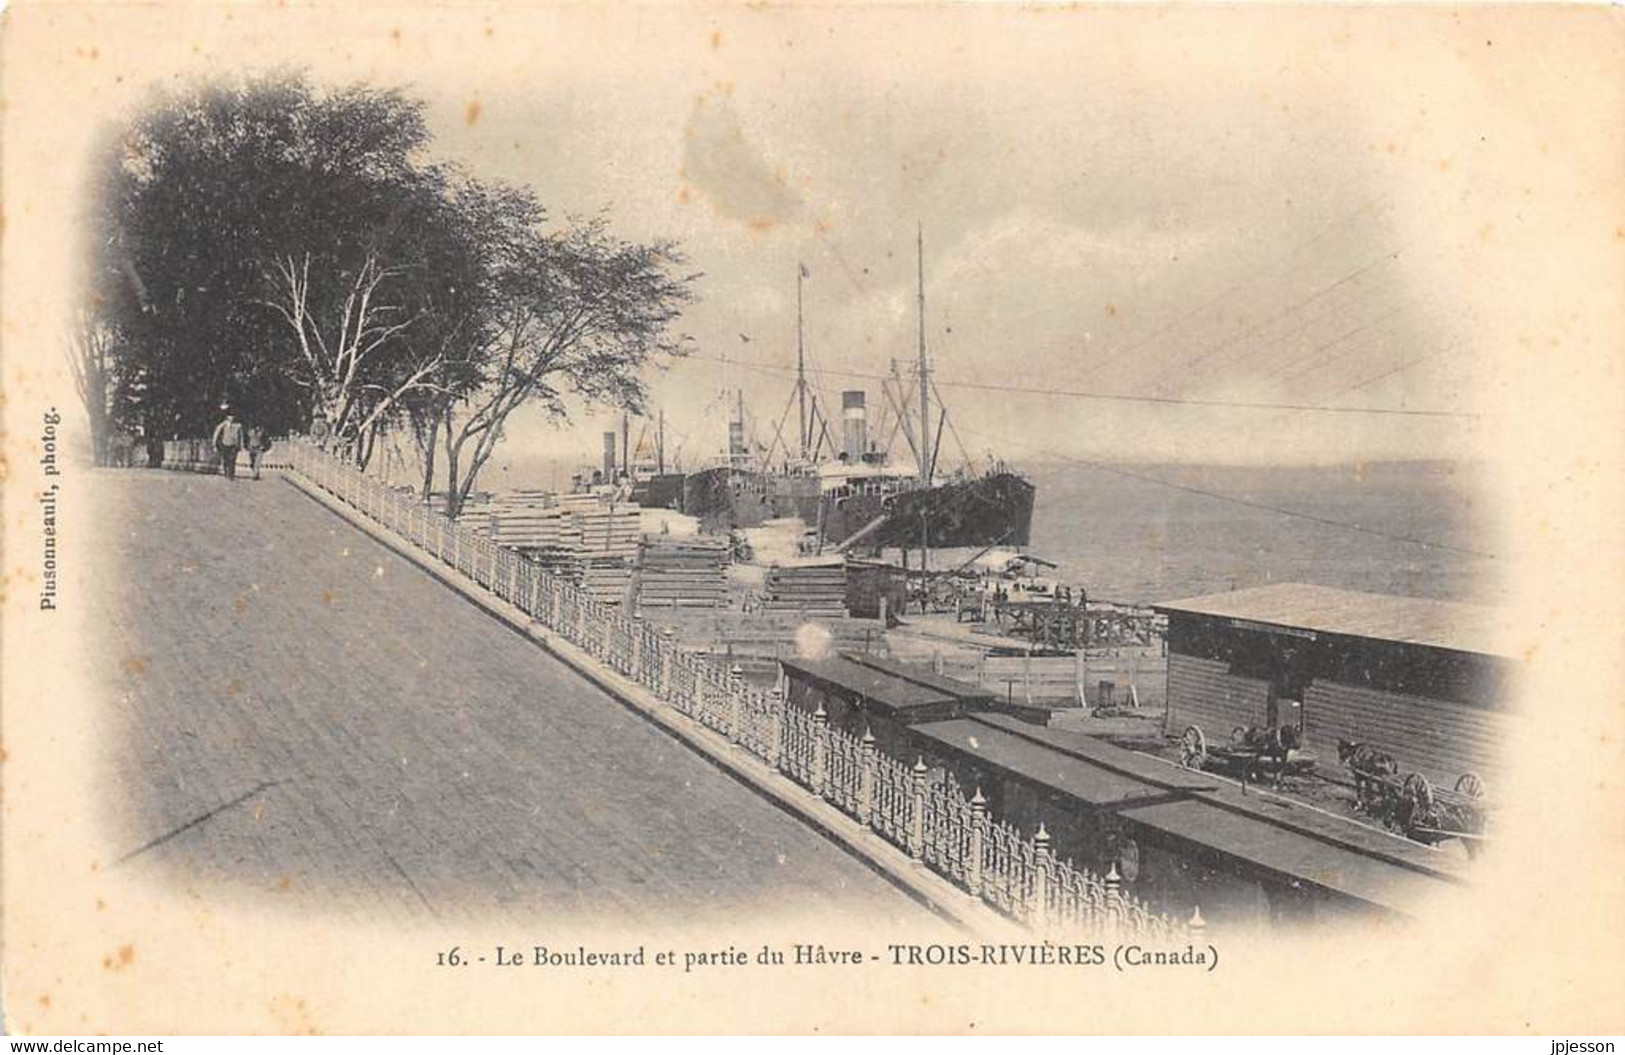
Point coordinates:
[(286, 248)]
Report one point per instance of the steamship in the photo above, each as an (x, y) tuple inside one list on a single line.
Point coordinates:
[(857, 495)]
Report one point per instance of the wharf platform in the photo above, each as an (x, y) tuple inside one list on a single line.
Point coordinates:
[(304, 717)]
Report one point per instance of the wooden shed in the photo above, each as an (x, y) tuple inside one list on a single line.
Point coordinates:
[(1423, 680), (860, 691), (1178, 837)]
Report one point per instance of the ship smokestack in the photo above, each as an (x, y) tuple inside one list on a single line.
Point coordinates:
[(854, 426), (609, 457)]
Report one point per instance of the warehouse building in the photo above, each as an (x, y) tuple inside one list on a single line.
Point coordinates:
[(1177, 837), (863, 693), (1426, 681)]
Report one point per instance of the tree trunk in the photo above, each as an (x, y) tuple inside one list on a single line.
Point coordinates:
[(428, 448), (365, 447), (454, 490)]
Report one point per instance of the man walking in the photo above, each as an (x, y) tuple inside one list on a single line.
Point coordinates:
[(320, 430), (256, 447), (228, 439)]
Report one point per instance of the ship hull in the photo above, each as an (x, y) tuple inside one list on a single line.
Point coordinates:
[(724, 499), (992, 510), (662, 491)]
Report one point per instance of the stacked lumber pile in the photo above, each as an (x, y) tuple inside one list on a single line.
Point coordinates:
[(525, 520), (756, 641), (815, 587), (477, 514), (606, 536), (676, 571), (590, 540), (531, 523)]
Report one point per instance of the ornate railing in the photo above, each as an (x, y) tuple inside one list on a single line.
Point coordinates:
[(927, 816)]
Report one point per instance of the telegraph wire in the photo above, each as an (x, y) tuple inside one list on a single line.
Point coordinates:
[(1278, 316), (1253, 276), (1123, 397), (1448, 349), (1271, 350)]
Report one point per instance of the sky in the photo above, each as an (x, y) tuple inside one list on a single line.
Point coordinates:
[(1154, 221), (1136, 219)]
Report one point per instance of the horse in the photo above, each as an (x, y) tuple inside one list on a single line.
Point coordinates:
[(1273, 747), (1369, 764)]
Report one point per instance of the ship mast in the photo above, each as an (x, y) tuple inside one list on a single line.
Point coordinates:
[(801, 367), (925, 389)]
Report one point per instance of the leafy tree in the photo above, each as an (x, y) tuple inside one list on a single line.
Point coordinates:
[(572, 311), (209, 186), (285, 247)]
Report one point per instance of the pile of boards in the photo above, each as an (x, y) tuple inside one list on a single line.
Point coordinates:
[(608, 543), (591, 540), (812, 587), (677, 571), (756, 641)]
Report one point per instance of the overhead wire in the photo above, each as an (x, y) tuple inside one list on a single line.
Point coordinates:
[(1129, 397), (1259, 273)]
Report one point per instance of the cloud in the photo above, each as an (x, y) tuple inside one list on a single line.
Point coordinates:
[(731, 171)]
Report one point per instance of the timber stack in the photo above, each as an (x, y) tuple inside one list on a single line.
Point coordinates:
[(756, 641), (677, 571), (810, 587), (608, 539)]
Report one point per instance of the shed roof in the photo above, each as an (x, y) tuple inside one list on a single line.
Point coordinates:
[(1093, 785), (894, 685), (1264, 832), (1410, 620)]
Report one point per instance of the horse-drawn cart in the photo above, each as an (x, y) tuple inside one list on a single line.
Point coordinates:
[(1419, 810), (1250, 753)]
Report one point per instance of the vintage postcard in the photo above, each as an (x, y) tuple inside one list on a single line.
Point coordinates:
[(785, 518)]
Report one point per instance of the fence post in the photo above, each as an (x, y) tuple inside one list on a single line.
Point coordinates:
[(668, 650), (1114, 901), (775, 739), (736, 703), (978, 829), (581, 624), (1041, 878), (820, 748), (636, 672), (916, 812), (866, 781)]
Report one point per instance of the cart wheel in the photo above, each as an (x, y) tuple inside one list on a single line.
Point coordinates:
[(1416, 799), (1193, 747), (1471, 785)]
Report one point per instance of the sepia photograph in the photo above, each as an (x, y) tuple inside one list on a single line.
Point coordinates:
[(712, 518)]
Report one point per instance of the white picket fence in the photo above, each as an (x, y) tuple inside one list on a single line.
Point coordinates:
[(200, 456), (932, 819)]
